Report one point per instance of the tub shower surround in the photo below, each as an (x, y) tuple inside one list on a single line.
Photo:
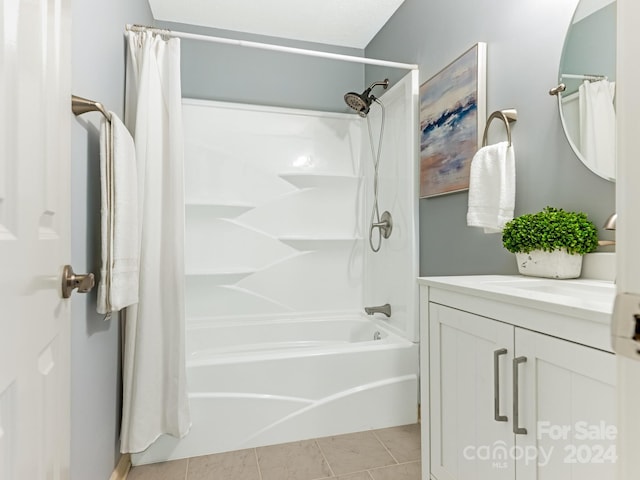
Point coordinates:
[(257, 382), (277, 347), (272, 198)]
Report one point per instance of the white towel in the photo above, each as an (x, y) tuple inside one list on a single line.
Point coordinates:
[(598, 126), (492, 188), (118, 287)]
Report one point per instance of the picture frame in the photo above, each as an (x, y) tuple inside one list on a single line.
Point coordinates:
[(453, 114)]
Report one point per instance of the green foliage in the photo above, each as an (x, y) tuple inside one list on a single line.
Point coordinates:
[(551, 229)]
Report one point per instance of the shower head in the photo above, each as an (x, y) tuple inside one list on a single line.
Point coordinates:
[(361, 102), (358, 102)]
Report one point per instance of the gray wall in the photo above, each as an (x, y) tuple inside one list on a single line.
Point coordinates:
[(98, 73), (524, 42), (246, 75)]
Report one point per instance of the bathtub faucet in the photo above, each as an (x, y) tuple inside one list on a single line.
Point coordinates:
[(386, 309)]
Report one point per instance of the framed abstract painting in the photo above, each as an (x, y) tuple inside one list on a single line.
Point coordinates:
[(452, 118)]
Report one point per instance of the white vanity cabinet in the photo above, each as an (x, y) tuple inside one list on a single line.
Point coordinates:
[(461, 403), (511, 394), (567, 404)]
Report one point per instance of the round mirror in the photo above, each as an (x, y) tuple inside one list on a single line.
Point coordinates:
[(587, 72)]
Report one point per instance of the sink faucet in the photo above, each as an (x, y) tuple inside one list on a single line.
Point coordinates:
[(610, 224), (386, 309)]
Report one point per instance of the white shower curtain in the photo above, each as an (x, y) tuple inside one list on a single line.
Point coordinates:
[(598, 126), (154, 384)]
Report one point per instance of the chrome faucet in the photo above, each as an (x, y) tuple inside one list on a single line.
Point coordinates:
[(386, 309), (610, 224)]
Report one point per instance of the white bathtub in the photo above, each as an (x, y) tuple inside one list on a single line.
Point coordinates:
[(269, 381)]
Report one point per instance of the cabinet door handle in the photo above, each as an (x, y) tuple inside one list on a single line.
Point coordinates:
[(496, 386), (516, 408)]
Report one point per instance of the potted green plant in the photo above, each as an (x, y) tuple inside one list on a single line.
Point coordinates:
[(550, 243)]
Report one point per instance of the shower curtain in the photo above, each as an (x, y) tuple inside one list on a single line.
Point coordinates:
[(154, 384), (598, 125)]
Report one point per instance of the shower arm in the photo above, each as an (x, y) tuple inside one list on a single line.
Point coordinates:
[(367, 93), (384, 83)]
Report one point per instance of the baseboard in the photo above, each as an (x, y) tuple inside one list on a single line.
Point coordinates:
[(122, 469)]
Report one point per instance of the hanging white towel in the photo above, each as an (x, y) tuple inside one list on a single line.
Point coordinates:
[(598, 126), (118, 287), (492, 188)]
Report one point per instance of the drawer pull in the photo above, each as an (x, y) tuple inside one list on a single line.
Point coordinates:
[(496, 386), (516, 407)]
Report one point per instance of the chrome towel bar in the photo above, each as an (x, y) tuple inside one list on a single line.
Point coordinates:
[(81, 105), (507, 116)]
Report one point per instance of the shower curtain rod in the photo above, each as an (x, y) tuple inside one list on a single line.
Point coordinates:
[(275, 48), (583, 76)]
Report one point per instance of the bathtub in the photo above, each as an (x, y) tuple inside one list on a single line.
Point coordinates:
[(257, 382)]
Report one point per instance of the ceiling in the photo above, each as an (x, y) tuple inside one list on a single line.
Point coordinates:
[(347, 23)]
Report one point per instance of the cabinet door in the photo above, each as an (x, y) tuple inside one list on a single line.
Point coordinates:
[(567, 405), (466, 440)]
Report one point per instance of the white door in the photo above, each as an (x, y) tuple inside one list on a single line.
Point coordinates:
[(628, 225), (34, 238), (567, 401), (467, 442)]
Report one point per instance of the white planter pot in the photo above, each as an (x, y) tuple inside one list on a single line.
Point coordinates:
[(556, 264)]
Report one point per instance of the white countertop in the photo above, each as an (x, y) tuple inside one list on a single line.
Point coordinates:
[(583, 298)]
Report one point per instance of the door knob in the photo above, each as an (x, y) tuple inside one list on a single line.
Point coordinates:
[(70, 281)]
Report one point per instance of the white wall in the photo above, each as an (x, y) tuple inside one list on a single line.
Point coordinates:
[(98, 73)]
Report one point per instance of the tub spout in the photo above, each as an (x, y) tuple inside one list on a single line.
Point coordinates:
[(386, 309)]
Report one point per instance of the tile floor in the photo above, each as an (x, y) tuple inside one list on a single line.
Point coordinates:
[(387, 454)]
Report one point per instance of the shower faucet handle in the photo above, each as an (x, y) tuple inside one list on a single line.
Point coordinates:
[(385, 224)]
